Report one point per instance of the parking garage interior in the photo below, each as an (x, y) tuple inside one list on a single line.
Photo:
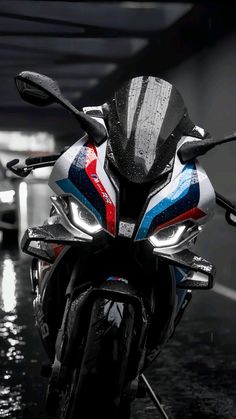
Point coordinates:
[(91, 48)]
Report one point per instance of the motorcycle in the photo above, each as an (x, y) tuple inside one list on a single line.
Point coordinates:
[(113, 266)]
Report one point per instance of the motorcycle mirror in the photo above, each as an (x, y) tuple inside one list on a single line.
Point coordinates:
[(192, 149), (41, 90), (37, 89)]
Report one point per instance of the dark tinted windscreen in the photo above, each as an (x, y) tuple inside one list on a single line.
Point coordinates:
[(142, 116)]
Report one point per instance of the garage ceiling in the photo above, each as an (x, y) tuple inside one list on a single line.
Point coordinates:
[(91, 47)]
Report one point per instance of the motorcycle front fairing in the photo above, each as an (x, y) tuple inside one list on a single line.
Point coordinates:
[(147, 122)]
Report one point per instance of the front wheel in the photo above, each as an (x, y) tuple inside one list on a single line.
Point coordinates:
[(98, 385)]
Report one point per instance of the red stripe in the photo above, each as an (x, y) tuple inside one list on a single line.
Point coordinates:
[(90, 168), (194, 214)]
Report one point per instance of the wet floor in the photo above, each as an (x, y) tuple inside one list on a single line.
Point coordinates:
[(195, 375), (21, 386)]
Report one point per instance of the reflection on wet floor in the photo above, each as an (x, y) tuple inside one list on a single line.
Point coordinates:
[(16, 325), (8, 286), (22, 389), (11, 341)]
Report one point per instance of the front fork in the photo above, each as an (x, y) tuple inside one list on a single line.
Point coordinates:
[(113, 289)]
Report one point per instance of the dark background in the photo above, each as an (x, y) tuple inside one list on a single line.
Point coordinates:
[(90, 48)]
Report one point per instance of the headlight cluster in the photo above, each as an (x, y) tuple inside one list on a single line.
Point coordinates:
[(82, 217), (170, 236), (174, 234), (7, 197)]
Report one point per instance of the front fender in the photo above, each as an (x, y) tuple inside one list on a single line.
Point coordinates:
[(114, 294)]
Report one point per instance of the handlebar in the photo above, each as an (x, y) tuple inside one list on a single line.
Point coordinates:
[(41, 159), (32, 163)]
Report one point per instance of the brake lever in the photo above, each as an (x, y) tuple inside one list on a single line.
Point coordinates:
[(229, 207), (225, 203), (18, 171)]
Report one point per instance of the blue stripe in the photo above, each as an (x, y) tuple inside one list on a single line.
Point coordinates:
[(180, 293), (81, 181), (175, 196), (68, 187), (180, 273)]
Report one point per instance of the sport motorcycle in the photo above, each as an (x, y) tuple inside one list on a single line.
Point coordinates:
[(113, 266)]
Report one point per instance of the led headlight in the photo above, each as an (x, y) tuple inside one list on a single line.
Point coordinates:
[(174, 234), (7, 197), (83, 218)]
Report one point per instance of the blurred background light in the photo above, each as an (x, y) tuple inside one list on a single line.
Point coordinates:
[(21, 141), (8, 286)]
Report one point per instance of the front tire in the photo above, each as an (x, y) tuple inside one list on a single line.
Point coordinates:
[(98, 382)]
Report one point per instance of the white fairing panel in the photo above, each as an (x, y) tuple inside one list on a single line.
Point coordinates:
[(79, 172), (188, 196)]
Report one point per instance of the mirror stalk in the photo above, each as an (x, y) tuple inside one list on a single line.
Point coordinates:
[(192, 149), (41, 90)]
